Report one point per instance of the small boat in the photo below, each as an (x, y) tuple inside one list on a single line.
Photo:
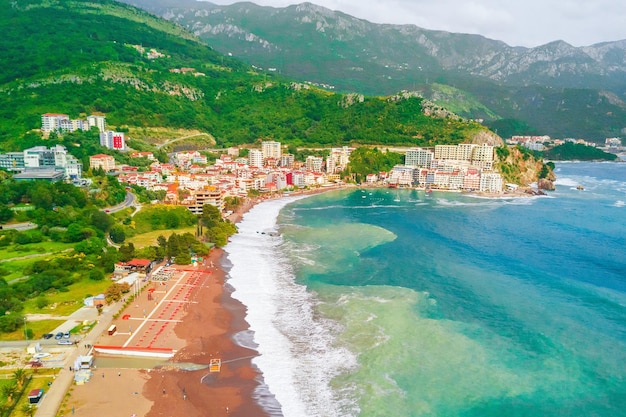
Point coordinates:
[(580, 187)]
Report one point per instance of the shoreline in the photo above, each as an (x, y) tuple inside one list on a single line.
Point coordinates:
[(207, 331)]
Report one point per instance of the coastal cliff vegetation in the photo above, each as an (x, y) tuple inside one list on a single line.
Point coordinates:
[(519, 165), (570, 151)]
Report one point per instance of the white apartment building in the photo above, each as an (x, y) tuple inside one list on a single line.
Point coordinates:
[(445, 152), (483, 156), (112, 140), (457, 179), (298, 179), (97, 121), (255, 158), (61, 122), (52, 121), (287, 160), (338, 159), (464, 151), (418, 157), (401, 175), (490, 182), (271, 149), (314, 163)]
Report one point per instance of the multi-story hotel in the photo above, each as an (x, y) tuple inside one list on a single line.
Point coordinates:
[(287, 160), (255, 158), (338, 159), (271, 149), (418, 157), (62, 123), (490, 182), (314, 163), (208, 195)]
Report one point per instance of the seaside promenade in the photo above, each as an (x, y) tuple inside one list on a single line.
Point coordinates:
[(51, 402)]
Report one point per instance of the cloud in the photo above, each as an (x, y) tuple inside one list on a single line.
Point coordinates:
[(516, 22)]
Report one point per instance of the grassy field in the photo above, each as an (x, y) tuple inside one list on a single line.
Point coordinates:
[(160, 135), (39, 328), (17, 251), (61, 304), (41, 378), (150, 238), (16, 268), (65, 303)]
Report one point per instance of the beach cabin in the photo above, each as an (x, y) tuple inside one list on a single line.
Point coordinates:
[(97, 301), (84, 361), (34, 396)]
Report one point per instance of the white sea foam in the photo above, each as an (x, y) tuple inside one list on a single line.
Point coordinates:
[(297, 358), (486, 202), (567, 182)]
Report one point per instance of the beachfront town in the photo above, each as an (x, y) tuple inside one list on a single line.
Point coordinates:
[(189, 180)]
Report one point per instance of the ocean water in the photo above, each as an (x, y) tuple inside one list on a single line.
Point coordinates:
[(398, 303)]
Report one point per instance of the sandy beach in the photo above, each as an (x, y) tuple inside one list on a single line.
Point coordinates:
[(204, 333), (207, 328)]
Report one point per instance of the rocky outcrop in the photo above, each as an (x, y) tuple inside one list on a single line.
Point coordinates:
[(521, 167), (487, 137), (546, 184)]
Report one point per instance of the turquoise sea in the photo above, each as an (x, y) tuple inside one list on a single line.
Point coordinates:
[(380, 302)]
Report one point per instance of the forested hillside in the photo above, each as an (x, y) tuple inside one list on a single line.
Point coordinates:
[(141, 71), (555, 89)]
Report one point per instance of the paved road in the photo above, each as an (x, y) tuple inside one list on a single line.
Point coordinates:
[(129, 201), (20, 226), (64, 379)]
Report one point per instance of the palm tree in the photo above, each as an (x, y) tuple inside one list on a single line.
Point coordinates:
[(9, 391), (20, 376), (28, 410)]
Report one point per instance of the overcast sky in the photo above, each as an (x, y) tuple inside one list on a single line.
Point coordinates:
[(516, 22)]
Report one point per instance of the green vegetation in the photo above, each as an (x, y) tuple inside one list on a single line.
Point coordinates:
[(364, 161), (30, 250), (15, 386), (101, 67), (570, 151), (160, 217), (149, 238), (217, 229), (507, 128)]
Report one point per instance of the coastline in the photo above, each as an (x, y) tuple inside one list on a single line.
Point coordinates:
[(206, 332)]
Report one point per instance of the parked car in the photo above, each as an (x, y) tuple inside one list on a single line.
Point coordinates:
[(48, 336), (66, 335), (65, 342), (59, 335)]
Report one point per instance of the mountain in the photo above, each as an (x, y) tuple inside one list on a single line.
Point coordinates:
[(80, 57), (556, 89)]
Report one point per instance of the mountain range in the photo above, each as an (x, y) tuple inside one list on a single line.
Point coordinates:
[(555, 89), (80, 57)]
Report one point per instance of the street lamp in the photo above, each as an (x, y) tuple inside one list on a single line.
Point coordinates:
[(25, 332)]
